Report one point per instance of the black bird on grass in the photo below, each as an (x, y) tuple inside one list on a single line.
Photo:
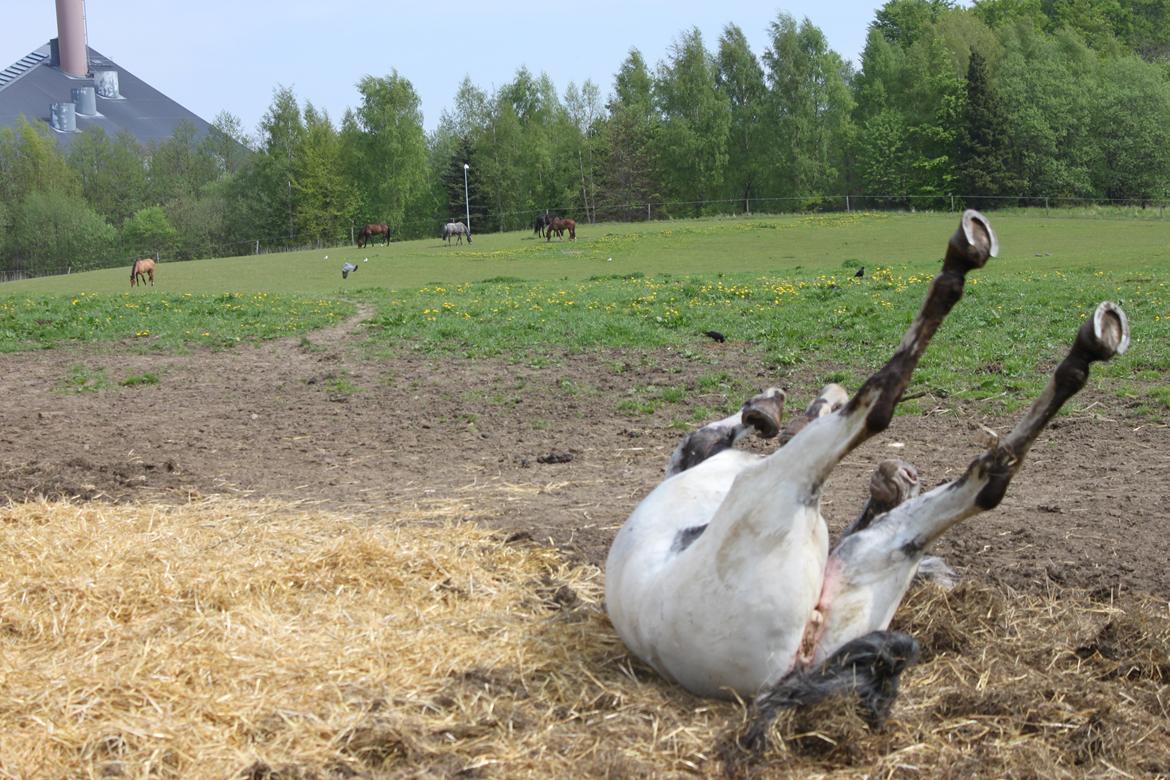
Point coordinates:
[(714, 334), (860, 273)]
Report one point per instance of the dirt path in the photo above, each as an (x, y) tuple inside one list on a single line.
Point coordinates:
[(313, 420)]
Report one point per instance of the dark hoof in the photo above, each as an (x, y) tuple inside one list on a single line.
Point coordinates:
[(893, 482), (764, 412)]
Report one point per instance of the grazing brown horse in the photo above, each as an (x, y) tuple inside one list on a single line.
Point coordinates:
[(559, 226), (141, 271), (365, 233)]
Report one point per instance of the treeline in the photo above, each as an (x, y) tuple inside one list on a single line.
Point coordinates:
[(1005, 102)]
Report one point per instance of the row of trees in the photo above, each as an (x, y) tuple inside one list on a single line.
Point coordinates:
[(1006, 100)]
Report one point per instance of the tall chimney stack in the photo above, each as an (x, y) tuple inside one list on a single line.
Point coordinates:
[(71, 41)]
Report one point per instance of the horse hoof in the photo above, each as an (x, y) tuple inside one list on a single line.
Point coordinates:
[(764, 411)]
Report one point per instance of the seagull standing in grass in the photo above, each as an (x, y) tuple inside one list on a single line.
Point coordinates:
[(345, 269)]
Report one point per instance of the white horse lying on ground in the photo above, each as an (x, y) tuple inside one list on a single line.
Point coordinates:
[(723, 580)]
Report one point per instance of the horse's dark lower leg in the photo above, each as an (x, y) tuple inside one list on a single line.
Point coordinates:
[(869, 571), (869, 411), (761, 414)]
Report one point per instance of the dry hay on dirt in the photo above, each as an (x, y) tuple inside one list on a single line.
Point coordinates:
[(261, 640)]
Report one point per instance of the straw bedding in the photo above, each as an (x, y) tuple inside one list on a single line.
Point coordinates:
[(261, 640)]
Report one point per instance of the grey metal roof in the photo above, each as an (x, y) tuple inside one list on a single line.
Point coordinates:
[(30, 85)]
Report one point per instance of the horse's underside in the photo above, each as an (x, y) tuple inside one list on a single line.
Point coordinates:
[(723, 578)]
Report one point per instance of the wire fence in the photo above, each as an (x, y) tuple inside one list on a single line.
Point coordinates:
[(638, 211)]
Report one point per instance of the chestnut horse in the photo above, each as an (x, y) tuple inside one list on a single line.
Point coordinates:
[(373, 230), (141, 271), (559, 226)]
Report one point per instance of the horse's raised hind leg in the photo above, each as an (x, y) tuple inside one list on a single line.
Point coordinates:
[(823, 442), (761, 413), (869, 571)]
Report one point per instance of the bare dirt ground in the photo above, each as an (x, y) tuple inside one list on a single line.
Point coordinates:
[(318, 422)]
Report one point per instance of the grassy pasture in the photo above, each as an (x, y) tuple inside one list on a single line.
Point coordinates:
[(784, 284), (799, 246)]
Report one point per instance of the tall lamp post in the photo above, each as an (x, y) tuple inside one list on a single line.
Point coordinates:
[(467, 201)]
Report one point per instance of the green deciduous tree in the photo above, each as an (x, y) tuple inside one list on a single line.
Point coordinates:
[(909, 71), (696, 119), (810, 107), (147, 233), (180, 165), (54, 232), (31, 162), (384, 148), (1046, 84), (1130, 124), (112, 173), (326, 200), (629, 143), (263, 201), (581, 139), (227, 143), (741, 81)]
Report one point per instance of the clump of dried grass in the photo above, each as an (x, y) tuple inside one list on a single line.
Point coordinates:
[(258, 640)]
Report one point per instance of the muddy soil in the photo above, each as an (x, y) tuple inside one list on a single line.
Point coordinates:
[(544, 452)]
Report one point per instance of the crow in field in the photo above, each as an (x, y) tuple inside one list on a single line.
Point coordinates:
[(345, 269), (716, 335), (860, 273)]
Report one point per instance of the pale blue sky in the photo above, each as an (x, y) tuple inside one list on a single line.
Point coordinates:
[(213, 55)]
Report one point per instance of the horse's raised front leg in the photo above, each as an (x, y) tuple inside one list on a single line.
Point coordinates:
[(869, 571)]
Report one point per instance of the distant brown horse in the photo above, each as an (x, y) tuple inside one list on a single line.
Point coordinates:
[(143, 269), (373, 230), (559, 226)]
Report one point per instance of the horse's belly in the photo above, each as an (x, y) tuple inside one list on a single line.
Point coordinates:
[(728, 612)]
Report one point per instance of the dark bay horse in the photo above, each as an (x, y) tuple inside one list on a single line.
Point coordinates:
[(559, 226), (366, 232), (541, 223), (141, 271), (456, 229)]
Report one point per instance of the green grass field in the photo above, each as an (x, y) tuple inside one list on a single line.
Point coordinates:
[(784, 284), (799, 246)]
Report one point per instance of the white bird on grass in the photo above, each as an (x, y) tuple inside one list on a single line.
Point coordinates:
[(345, 269)]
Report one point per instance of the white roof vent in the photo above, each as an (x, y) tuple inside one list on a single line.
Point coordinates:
[(63, 117), (106, 82), (86, 101)]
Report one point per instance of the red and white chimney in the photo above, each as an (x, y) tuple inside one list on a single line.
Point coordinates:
[(71, 43)]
